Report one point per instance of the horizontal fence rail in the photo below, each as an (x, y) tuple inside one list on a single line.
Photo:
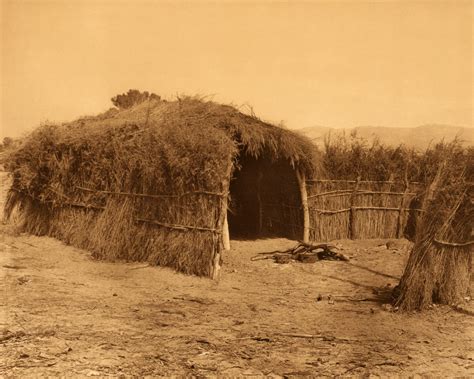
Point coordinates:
[(153, 196), (173, 226)]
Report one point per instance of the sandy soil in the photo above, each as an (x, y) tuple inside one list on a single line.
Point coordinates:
[(62, 313)]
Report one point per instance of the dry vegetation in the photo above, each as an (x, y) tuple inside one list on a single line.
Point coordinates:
[(350, 157)]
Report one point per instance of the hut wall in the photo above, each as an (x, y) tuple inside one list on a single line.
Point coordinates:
[(134, 227), (352, 209)]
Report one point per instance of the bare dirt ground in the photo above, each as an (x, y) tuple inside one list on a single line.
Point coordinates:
[(62, 313)]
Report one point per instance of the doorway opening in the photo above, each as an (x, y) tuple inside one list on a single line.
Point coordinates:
[(265, 200)]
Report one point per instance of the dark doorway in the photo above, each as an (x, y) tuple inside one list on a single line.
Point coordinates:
[(264, 200)]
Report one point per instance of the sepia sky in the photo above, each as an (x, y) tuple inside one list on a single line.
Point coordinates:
[(304, 63)]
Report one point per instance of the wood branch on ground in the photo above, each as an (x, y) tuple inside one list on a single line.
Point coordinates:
[(303, 252)]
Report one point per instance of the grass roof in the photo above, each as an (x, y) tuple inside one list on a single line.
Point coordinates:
[(178, 144)]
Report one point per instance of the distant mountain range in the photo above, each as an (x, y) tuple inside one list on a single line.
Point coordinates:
[(419, 137)]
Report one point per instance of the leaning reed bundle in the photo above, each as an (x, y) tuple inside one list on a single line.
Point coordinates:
[(440, 264)]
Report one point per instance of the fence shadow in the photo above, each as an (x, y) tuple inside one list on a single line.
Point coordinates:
[(372, 271), (345, 280), (378, 294)]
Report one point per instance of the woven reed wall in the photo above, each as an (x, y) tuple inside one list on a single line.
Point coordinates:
[(358, 209), (178, 231)]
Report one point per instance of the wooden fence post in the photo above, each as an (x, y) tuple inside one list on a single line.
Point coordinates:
[(225, 233), (224, 206), (300, 176), (222, 240), (401, 210), (352, 211)]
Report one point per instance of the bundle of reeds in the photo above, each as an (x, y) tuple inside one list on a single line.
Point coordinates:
[(440, 264)]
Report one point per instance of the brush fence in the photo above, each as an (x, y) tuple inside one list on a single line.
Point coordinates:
[(356, 209)]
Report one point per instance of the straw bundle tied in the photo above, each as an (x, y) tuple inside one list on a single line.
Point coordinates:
[(440, 264)]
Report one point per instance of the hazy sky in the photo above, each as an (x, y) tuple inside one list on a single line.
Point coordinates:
[(314, 63)]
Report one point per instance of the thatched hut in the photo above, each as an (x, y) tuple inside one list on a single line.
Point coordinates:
[(163, 182)]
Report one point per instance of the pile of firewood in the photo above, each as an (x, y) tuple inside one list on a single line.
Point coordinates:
[(303, 252)]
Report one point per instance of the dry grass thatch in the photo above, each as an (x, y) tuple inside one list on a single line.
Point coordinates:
[(145, 183)]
